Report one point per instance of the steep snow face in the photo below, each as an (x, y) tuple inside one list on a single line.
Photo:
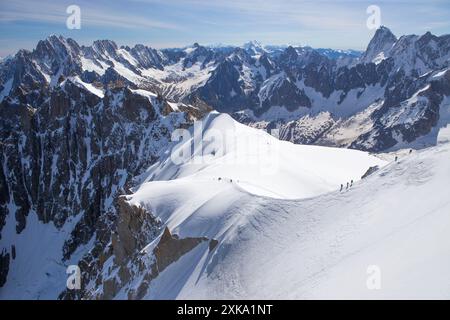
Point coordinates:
[(254, 161), (394, 224), (88, 86)]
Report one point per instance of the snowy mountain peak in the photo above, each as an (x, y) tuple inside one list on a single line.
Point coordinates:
[(428, 36), (104, 46), (55, 39), (379, 46), (253, 44), (254, 47), (383, 30), (57, 45)]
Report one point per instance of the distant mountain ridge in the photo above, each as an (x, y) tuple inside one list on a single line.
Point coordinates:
[(267, 86)]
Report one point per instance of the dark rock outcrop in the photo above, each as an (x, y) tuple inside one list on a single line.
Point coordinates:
[(4, 267), (369, 172)]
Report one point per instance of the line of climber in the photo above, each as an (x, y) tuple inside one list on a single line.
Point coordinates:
[(349, 185)]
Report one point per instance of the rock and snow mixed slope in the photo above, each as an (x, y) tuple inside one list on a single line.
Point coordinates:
[(64, 162), (391, 74), (277, 87), (321, 247)]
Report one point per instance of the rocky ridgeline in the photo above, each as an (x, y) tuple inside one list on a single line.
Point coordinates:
[(407, 79), (250, 81)]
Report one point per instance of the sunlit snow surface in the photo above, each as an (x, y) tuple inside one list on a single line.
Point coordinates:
[(285, 231), (251, 160), (318, 247)]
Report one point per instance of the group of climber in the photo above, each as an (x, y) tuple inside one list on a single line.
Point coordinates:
[(348, 185), (351, 182), (231, 180)]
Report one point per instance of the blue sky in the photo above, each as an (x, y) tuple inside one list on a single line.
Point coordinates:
[(173, 23)]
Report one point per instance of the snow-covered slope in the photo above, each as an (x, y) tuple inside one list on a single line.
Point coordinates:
[(257, 162), (395, 222)]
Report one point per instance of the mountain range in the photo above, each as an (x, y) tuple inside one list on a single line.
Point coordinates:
[(86, 179), (404, 80)]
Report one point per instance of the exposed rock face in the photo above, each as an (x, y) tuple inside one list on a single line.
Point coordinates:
[(369, 171), (382, 41), (71, 156), (287, 95), (170, 248), (135, 229), (132, 231), (17, 121), (4, 267), (131, 258), (224, 88)]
